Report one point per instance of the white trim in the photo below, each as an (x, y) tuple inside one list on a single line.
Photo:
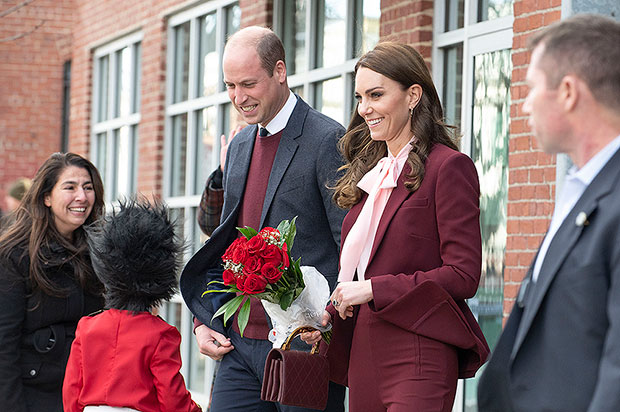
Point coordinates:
[(118, 44), (205, 8)]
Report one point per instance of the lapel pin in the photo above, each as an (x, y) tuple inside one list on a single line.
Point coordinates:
[(582, 219)]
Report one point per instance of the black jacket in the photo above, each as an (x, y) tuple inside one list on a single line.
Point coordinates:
[(36, 332)]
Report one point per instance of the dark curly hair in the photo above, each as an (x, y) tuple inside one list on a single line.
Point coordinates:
[(136, 255)]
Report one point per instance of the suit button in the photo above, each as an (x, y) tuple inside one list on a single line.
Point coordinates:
[(33, 372)]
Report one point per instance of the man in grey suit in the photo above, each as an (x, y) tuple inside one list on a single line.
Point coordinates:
[(277, 168), (560, 348)]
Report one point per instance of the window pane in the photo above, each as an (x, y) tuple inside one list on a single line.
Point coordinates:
[(453, 84), (367, 13), (299, 90), (179, 155), (455, 12), (294, 35), (177, 215), (103, 81), (125, 142), (205, 146), (100, 162), (124, 77), (493, 9), (208, 61), (233, 19), (331, 32), (490, 125), (181, 62), (232, 119), (137, 77), (329, 98)]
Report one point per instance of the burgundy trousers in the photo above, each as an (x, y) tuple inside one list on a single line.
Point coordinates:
[(394, 370)]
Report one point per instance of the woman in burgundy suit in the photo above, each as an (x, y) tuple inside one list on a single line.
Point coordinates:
[(411, 250)]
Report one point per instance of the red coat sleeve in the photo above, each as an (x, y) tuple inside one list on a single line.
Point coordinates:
[(165, 367)]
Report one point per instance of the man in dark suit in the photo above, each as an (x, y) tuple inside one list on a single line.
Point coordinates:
[(277, 168), (560, 349)]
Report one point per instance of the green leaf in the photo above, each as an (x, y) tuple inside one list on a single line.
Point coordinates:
[(244, 316), (286, 300), (219, 291), (248, 232), (283, 227), (216, 281), (290, 235), (228, 309)]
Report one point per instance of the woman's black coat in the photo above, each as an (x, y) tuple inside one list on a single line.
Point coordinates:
[(36, 332)]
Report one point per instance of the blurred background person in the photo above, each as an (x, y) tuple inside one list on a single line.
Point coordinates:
[(13, 198), (46, 281)]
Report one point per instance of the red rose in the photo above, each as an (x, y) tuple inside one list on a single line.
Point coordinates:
[(285, 258), (240, 253), (232, 247), (271, 273), (252, 265), (240, 280), (229, 277), (272, 254), (254, 284), (228, 255), (256, 245)]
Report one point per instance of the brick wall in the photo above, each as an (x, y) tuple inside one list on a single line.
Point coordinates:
[(35, 43), (531, 181), (256, 13), (409, 22)]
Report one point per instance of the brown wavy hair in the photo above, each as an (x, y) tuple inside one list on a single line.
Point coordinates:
[(34, 232), (403, 64)]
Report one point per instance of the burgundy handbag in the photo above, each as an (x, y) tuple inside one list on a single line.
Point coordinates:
[(296, 378)]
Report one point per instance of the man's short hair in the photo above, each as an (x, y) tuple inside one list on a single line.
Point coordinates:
[(588, 46), (270, 49)]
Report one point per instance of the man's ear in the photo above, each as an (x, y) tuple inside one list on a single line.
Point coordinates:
[(568, 92), (280, 71)]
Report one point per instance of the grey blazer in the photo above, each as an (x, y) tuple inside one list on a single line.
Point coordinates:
[(306, 162), (560, 349)]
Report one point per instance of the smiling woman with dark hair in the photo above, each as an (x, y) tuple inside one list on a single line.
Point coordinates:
[(46, 281), (411, 248)]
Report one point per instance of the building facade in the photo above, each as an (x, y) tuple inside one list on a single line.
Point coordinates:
[(137, 87)]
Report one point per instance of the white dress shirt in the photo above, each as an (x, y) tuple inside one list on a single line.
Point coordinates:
[(576, 182)]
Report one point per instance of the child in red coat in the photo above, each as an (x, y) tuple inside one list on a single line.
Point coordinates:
[(125, 358)]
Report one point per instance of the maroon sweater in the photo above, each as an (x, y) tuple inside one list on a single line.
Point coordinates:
[(264, 153)]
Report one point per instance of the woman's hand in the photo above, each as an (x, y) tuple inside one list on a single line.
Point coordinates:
[(313, 337), (349, 294)]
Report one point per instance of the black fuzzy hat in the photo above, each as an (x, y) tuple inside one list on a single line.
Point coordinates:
[(136, 255)]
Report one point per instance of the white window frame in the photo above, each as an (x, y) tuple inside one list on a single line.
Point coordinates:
[(308, 77), (114, 124), (189, 202), (477, 38)]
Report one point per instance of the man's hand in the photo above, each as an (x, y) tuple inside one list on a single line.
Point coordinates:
[(224, 144), (211, 343)]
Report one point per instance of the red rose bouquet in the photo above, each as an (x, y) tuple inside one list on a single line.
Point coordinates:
[(258, 265)]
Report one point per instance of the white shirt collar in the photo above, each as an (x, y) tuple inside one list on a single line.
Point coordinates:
[(281, 119), (589, 171)]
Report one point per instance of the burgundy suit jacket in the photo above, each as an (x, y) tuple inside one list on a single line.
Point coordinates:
[(425, 261)]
